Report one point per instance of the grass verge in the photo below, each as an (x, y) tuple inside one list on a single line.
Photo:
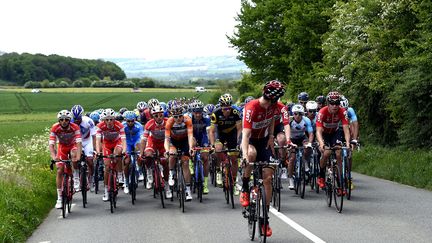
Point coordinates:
[(27, 186), (410, 167)]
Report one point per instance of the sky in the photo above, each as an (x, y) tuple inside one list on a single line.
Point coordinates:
[(150, 29)]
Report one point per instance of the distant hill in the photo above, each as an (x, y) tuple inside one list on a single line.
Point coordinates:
[(210, 68)]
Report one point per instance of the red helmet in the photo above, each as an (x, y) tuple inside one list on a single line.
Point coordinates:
[(333, 97), (273, 90)]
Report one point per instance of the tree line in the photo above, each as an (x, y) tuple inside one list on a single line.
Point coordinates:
[(21, 68), (378, 53)]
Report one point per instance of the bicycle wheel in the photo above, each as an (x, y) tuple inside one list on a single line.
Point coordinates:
[(329, 186), (230, 186), (225, 184), (302, 180), (348, 180), (84, 185), (199, 180), (262, 223), (297, 177), (212, 170), (64, 197), (277, 189), (181, 188), (253, 216), (96, 176), (132, 182), (338, 188), (70, 193), (111, 191)]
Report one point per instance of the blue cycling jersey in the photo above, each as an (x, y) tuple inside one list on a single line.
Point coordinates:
[(200, 130), (133, 134)]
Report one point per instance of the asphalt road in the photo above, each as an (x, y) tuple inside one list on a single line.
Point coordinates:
[(380, 211)]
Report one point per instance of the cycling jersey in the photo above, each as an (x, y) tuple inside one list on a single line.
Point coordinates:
[(225, 124), (299, 129), (154, 134), (259, 119), (66, 137), (200, 130), (144, 116), (177, 131), (110, 135), (282, 116), (352, 117), (329, 122), (88, 129), (133, 135)]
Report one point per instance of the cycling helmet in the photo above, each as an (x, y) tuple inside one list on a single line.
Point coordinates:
[(169, 104), (303, 96), (249, 98), (108, 113), (95, 116), (273, 90), (64, 114), (141, 105), (225, 100), (119, 117), (311, 105), (176, 108), (163, 105), (152, 102), (297, 108), (122, 110), (197, 106), (208, 109), (77, 111), (333, 97), (344, 102), (129, 115), (157, 109), (320, 99)]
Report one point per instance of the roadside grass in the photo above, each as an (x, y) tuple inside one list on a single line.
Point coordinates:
[(18, 102), (410, 167), (15, 129), (96, 90), (27, 186)]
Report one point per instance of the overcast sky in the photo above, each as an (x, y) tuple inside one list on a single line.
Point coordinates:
[(151, 29)]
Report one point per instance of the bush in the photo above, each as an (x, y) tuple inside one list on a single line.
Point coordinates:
[(32, 84), (78, 84), (63, 84)]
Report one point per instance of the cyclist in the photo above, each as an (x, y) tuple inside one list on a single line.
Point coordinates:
[(321, 101), (152, 141), (311, 108), (111, 139), (303, 98), (151, 103), (327, 126), (200, 126), (352, 118), (133, 131), (281, 119), (122, 110), (179, 135), (227, 122), (258, 139), (301, 134), (88, 136), (144, 112), (68, 136), (95, 116)]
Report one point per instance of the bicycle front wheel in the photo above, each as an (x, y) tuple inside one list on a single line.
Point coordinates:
[(263, 220), (231, 186), (70, 193), (132, 182), (64, 197), (302, 180), (253, 215), (84, 185), (338, 188)]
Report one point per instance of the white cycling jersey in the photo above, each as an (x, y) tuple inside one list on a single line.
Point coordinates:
[(88, 129)]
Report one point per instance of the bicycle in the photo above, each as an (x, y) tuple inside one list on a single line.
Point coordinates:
[(112, 180), (314, 168), (212, 169), (257, 209), (347, 163), (334, 180), (67, 187), (179, 180), (158, 178), (198, 177), (98, 173), (277, 181), (133, 175), (227, 177)]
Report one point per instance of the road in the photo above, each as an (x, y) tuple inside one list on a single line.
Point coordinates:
[(380, 211)]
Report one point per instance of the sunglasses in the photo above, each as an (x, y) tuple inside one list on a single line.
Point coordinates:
[(158, 115), (334, 103), (298, 114), (109, 119), (226, 108), (311, 111), (130, 121), (64, 119), (177, 116)]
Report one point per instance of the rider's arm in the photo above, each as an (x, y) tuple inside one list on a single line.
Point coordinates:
[(78, 139), (245, 141), (320, 139), (52, 151), (168, 127), (309, 129), (189, 128), (345, 124), (239, 130), (212, 131)]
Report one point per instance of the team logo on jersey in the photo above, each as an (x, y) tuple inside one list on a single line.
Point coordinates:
[(248, 115)]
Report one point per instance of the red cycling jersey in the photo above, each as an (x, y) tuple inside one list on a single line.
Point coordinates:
[(110, 135), (330, 122), (258, 118), (65, 137), (282, 116), (155, 131)]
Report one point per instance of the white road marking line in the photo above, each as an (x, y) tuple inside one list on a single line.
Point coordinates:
[(296, 226), (45, 242)]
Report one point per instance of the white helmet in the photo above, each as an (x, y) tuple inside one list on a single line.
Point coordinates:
[(142, 105), (344, 102), (108, 113), (297, 108), (196, 106), (152, 102), (64, 114), (157, 109), (311, 105)]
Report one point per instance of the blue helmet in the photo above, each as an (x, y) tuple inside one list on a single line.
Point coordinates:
[(129, 115), (208, 109), (163, 105), (95, 116), (77, 111), (303, 96)]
